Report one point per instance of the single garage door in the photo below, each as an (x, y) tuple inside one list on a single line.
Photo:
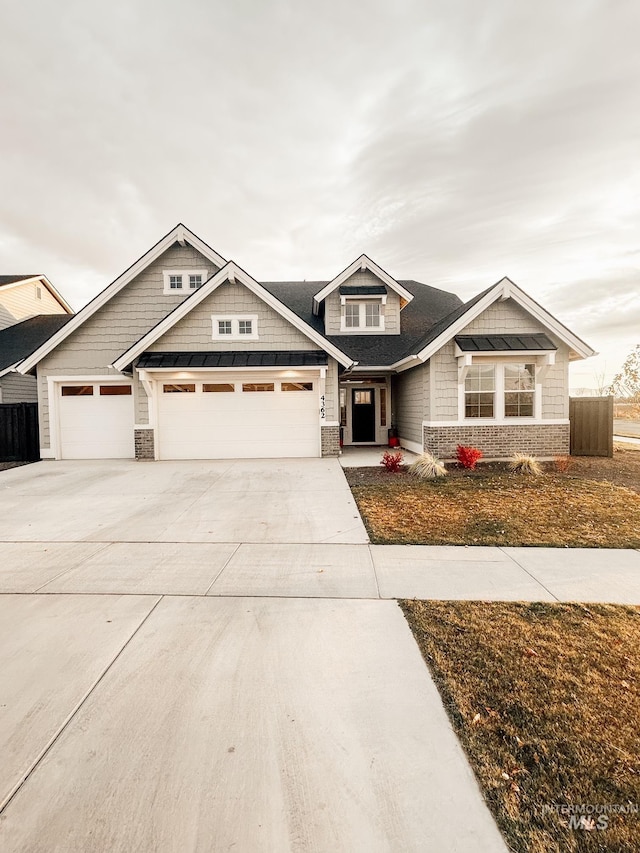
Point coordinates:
[(96, 420), (232, 418)]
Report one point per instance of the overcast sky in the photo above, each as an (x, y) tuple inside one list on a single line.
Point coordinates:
[(454, 142)]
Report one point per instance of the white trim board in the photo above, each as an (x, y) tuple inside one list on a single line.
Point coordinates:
[(504, 289), (179, 234), (230, 272), (361, 263)]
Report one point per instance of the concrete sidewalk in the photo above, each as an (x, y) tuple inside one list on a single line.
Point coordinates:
[(317, 570)]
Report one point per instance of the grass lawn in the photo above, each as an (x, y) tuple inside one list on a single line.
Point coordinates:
[(494, 507), (545, 699)]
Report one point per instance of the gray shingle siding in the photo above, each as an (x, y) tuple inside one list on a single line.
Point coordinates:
[(17, 388), (123, 320), (409, 391)]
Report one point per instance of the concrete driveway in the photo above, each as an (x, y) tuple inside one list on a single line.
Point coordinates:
[(195, 657), (247, 500)]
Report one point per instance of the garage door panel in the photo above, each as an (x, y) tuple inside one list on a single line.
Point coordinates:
[(96, 426), (238, 424)]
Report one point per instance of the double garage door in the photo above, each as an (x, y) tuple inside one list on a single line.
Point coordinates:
[(235, 417)]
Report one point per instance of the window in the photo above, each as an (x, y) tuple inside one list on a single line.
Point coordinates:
[(257, 386), (184, 388), (343, 407), (235, 327), (362, 398), (217, 387), (362, 315), (372, 315), (296, 386), (115, 390), (383, 407), (352, 315), (77, 390), (182, 281), (519, 388), (479, 391)]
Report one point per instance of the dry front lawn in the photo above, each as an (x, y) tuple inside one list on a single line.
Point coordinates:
[(497, 508), (545, 699)]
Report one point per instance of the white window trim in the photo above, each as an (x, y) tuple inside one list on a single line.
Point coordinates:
[(498, 409), (235, 327), (185, 280), (361, 301)]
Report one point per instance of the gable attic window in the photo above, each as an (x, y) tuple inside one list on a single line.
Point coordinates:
[(183, 281), (362, 315), (234, 327)]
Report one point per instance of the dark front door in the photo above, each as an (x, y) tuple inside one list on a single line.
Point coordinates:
[(363, 416)]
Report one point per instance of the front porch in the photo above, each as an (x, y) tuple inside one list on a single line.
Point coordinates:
[(365, 410)]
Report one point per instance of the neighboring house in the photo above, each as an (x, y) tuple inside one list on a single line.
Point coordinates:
[(31, 310), (186, 356)]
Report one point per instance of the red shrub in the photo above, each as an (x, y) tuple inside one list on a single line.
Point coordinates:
[(392, 461), (468, 456)]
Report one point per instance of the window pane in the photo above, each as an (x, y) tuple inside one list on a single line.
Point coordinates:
[(115, 390), (175, 282), (195, 281), (245, 327), (480, 377), (478, 405), (183, 388), (77, 390), (362, 398), (343, 407), (217, 387), (257, 386), (352, 315), (224, 327), (297, 386), (519, 377), (518, 404), (372, 314), (383, 407)]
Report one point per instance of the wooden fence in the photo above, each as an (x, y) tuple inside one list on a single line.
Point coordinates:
[(19, 441), (591, 420)]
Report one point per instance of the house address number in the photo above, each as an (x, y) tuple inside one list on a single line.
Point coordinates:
[(322, 407)]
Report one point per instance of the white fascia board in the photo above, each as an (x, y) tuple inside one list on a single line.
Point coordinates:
[(230, 270), (9, 369), (504, 289), (372, 368), (177, 234), (361, 263), (184, 371)]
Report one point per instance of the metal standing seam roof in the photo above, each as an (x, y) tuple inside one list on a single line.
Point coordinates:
[(362, 289), (235, 358), (504, 343)]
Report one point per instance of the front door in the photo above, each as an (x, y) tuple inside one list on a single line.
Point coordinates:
[(363, 415)]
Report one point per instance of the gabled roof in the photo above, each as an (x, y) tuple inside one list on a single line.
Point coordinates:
[(20, 340), (8, 281), (180, 234), (454, 323), (230, 272), (361, 263)]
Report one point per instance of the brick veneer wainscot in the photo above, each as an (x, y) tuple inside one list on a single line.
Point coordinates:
[(330, 439), (144, 444), (499, 441)]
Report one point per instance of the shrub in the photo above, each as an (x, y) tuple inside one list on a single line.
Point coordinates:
[(468, 456), (562, 463), (522, 464), (392, 461), (428, 467)]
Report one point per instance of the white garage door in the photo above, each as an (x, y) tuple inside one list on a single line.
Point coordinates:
[(231, 418), (96, 420)]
